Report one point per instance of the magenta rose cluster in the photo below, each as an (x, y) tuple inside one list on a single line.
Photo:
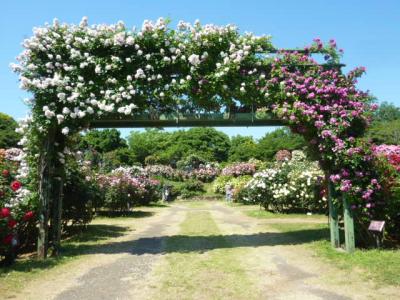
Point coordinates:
[(324, 105)]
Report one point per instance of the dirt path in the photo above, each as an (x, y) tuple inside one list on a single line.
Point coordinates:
[(141, 265)]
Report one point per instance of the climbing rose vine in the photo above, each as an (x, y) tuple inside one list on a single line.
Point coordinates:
[(80, 73)]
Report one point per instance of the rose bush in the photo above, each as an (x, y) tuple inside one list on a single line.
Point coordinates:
[(239, 169), (289, 185), (17, 217), (204, 173), (123, 189)]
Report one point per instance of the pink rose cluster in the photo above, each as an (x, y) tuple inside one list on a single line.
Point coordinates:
[(239, 169), (135, 185), (390, 152), (205, 173)]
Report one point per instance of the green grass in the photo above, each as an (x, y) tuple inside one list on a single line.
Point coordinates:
[(264, 214), (380, 266), (204, 266)]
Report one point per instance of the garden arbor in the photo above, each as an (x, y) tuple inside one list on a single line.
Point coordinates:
[(108, 76)]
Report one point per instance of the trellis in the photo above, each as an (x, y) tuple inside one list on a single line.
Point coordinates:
[(50, 187), (62, 60)]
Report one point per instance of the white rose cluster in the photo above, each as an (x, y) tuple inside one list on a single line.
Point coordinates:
[(78, 73), (288, 184)]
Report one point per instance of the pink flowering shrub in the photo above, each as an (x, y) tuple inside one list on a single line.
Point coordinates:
[(123, 190), (205, 173), (165, 171), (390, 152), (283, 155), (239, 169)]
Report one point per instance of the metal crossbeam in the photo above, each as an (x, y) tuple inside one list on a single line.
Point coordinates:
[(187, 120)]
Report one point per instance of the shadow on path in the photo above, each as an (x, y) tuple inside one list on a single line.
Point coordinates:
[(185, 244)]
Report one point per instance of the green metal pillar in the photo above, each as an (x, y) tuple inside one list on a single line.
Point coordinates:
[(57, 198), (46, 169), (350, 244), (333, 216)]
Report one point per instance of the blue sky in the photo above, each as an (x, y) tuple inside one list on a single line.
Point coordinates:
[(368, 31)]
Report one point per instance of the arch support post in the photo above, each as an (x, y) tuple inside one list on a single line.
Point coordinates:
[(350, 244), (46, 169), (57, 199), (333, 216)]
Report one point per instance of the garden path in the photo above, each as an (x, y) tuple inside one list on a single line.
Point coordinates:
[(205, 250)]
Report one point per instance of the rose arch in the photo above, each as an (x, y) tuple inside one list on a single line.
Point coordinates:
[(85, 76)]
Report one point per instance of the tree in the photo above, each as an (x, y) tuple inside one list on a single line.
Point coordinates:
[(385, 132), (8, 137), (242, 148), (147, 143), (385, 128), (118, 157), (103, 141), (281, 138), (206, 142), (157, 146), (387, 112)]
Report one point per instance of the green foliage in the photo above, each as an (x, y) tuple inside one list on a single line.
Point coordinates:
[(8, 137), (80, 194), (242, 148), (237, 183), (387, 112), (190, 162), (220, 183), (159, 147), (118, 157), (209, 143), (189, 188), (385, 132), (148, 143), (102, 140), (281, 138)]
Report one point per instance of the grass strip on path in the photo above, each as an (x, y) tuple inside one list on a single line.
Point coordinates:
[(201, 264)]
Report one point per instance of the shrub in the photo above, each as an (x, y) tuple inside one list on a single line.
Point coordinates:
[(17, 209), (190, 188), (165, 171), (204, 173), (81, 192), (220, 183), (292, 185), (124, 188), (191, 162), (239, 169)]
